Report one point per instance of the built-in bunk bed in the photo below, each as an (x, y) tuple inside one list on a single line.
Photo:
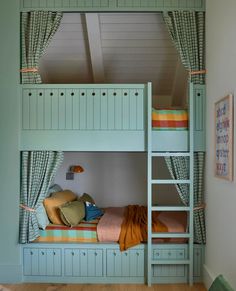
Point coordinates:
[(107, 117)]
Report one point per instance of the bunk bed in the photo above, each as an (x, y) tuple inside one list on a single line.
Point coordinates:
[(110, 117), (79, 118)]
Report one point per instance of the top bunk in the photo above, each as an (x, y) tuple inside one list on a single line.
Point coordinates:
[(103, 117)]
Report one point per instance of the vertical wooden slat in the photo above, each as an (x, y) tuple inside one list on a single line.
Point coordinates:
[(62, 109), (117, 261), (50, 262), (125, 263), (69, 109), (27, 262), (110, 263), (91, 263), (104, 109), (76, 109), (83, 263), (97, 109), (25, 109), (89, 108), (68, 262), (140, 109), (126, 105), (98, 263), (76, 266), (133, 109), (42, 262), (118, 110), (40, 109), (33, 109), (55, 110), (34, 262), (57, 262), (111, 108), (48, 109), (82, 109)]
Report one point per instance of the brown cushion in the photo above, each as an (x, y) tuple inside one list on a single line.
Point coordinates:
[(86, 198), (72, 213), (53, 202)]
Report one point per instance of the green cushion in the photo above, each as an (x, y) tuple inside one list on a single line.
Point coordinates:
[(220, 284), (72, 212), (86, 198)]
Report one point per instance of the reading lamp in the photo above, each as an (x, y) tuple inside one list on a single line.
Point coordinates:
[(76, 169)]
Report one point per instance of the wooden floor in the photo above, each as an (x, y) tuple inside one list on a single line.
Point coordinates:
[(107, 287)]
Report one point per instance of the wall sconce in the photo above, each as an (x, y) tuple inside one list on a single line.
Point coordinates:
[(76, 169)]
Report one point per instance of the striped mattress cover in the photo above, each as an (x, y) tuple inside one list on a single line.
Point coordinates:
[(169, 119), (85, 232)]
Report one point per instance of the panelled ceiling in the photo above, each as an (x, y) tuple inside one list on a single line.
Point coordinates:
[(113, 48)]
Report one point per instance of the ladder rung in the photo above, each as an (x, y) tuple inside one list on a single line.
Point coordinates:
[(170, 154), (165, 181), (170, 262), (170, 235), (170, 208)]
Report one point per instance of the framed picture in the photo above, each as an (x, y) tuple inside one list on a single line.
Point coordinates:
[(224, 138)]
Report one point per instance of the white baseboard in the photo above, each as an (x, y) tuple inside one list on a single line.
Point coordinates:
[(208, 276), (10, 274)]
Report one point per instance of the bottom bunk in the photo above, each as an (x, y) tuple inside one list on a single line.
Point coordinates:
[(105, 263)]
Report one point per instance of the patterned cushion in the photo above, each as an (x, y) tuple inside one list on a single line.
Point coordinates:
[(72, 213), (53, 202)]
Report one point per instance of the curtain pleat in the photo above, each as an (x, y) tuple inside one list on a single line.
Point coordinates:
[(38, 169), (179, 169), (187, 31), (37, 29)]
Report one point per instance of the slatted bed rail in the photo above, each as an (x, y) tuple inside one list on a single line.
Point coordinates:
[(84, 117)]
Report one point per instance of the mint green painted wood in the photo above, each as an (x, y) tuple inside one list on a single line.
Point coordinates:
[(161, 140), (43, 268), (199, 117), (112, 5), (100, 265), (83, 117), (10, 262)]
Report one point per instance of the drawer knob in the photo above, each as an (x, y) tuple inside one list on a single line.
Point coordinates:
[(43, 253), (84, 254), (126, 254), (169, 254), (54, 253), (95, 254), (73, 253), (114, 253), (137, 254), (31, 253)]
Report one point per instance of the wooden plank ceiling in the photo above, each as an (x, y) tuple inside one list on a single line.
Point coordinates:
[(114, 48)]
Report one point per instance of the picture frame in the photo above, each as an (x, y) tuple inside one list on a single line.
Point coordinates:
[(224, 138)]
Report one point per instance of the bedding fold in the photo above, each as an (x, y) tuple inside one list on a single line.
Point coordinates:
[(134, 226)]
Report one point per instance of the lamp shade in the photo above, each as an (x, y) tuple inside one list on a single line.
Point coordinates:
[(76, 169)]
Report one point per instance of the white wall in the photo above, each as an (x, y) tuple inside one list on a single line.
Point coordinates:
[(113, 179), (220, 194)]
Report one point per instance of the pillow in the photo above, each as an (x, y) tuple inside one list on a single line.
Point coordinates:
[(92, 211), (53, 202), (86, 198), (54, 188), (72, 213), (42, 217)]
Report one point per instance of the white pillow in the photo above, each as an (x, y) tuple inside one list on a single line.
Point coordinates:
[(42, 217)]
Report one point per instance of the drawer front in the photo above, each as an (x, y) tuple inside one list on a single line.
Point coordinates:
[(125, 264), (169, 254), (42, 262), (83, 262)]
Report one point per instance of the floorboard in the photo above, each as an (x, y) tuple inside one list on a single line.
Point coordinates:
[(106, 287)]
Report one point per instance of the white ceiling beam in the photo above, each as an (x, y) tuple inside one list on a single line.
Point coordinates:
[(95, 46)]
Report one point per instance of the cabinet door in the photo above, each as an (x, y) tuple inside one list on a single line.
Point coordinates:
[(137, 263), (42, 262), (95, 263), (114, 263), (72, 262)]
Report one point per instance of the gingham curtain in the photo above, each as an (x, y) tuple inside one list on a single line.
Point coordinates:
[(187, 31), (37, 29), (38, 168), (179, 169)]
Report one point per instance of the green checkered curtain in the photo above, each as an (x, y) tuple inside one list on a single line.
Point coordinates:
[(38, 169), (179, 169), (37, 29), (187, 31)]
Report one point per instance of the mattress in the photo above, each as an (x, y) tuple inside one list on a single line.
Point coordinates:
[(169, 119), (109, 226), (85, 232)]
